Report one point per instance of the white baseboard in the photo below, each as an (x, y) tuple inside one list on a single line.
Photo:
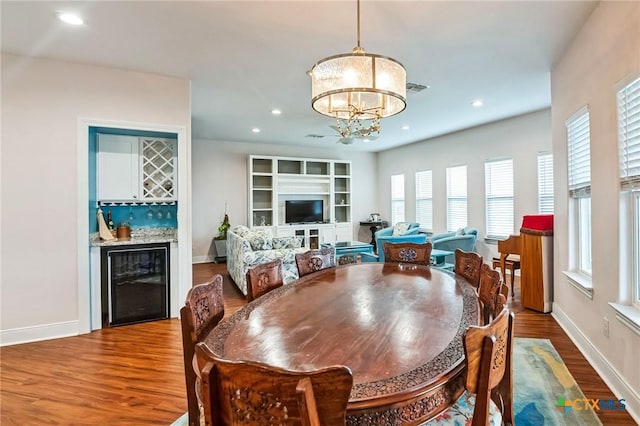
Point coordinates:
[(607, 372), (39, 332), (202, 259)]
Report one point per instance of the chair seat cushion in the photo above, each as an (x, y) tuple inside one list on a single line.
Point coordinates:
[(461, 413)]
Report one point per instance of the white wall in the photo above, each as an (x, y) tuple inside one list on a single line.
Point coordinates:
[(219, 173), (520, 138), (604, 53), (42, 101)]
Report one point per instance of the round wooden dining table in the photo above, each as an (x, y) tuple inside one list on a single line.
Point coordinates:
[(399, 328)]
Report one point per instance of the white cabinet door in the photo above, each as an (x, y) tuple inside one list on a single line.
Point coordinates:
[(344, 232), (118, 167), (327, 235)]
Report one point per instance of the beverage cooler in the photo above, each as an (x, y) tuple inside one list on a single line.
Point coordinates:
[(536, 260), (135, 283)]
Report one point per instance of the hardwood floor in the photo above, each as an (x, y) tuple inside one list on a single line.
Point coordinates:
[(133, 375)]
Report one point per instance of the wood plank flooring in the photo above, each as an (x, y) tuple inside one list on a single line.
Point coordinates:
[(133, 375)]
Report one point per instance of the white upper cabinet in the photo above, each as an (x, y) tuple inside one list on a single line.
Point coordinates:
[(118, 167), (132, 168)]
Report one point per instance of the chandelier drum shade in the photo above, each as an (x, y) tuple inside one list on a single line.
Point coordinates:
[(358, 87), (365, 85)]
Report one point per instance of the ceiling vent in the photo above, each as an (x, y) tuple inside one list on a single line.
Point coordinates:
[(415, 88), (314, 136)]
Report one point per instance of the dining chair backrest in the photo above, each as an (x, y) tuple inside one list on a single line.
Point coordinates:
[(419, 253), (250, 393), (467, 264), (203, 310), (263, 278), (488, 358), (315, 260), (488, 291), (347, 259)]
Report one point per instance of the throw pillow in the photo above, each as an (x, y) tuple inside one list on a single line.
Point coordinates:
[(400, 228), (460, 231), (286, 242), (260, 239)]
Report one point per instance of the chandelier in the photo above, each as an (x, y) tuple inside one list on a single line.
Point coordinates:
[(358, 89)]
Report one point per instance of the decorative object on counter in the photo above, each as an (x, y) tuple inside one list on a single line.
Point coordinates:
[(103, 229), (375, 217), (221, 240), (124, 232)]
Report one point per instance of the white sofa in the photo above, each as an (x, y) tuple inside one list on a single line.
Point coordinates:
[(249, 247)]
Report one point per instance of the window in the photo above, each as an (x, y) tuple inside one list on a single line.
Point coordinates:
[(499, 192), (578, 141), (397, 199), (629, 147), (545, 183), (456, 197), (424, 199)]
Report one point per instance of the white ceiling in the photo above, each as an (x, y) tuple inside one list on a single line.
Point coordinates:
[(245, 58)]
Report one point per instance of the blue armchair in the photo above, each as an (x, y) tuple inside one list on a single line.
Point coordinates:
[(410, 235), (464, 239)]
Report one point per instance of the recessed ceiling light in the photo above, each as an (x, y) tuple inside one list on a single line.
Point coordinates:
[(477, 103), (405, 127), (276, 112), (255, 130), (70, 18)]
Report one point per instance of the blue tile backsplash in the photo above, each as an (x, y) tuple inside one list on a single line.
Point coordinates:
[(141, 216)]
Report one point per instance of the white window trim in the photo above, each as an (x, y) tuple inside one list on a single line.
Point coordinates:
[(422, 229), (578, 277), (627, 309), (628, 316), (488, 198), (581, 282)]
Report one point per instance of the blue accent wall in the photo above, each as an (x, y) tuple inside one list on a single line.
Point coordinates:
[(137, 216), (141, 216)]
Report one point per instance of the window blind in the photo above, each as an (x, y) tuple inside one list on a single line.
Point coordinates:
[(499, 197), (545, 183), (424, 199), (629, 135), (456, 197), (397, 199), (578, 142)]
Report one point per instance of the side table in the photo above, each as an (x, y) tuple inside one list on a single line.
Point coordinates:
[(373, 227)]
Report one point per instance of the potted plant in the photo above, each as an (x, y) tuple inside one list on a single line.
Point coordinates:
[(221, 240)]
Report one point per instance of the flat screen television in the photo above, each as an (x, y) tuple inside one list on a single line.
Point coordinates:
[(303, 211)]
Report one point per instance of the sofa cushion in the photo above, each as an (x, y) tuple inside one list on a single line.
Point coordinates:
[(251, 258), (400, 228), (241, 230), (286, 242), (260, 239)]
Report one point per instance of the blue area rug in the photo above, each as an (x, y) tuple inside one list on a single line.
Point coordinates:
[(539, 379)]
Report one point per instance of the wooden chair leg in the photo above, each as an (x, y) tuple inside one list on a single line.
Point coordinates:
[(513, 275)]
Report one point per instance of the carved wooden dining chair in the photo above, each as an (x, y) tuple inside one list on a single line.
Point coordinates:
[(408, 252), (488, 398), (250, 393), (203, 310), (315, 260), (467, 264), (263, 278), (488, 291), (347, 259)]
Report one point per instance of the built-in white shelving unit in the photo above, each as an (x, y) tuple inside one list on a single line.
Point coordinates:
[(274, 180)]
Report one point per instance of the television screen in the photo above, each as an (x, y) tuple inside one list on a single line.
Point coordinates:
[(300, 211)]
